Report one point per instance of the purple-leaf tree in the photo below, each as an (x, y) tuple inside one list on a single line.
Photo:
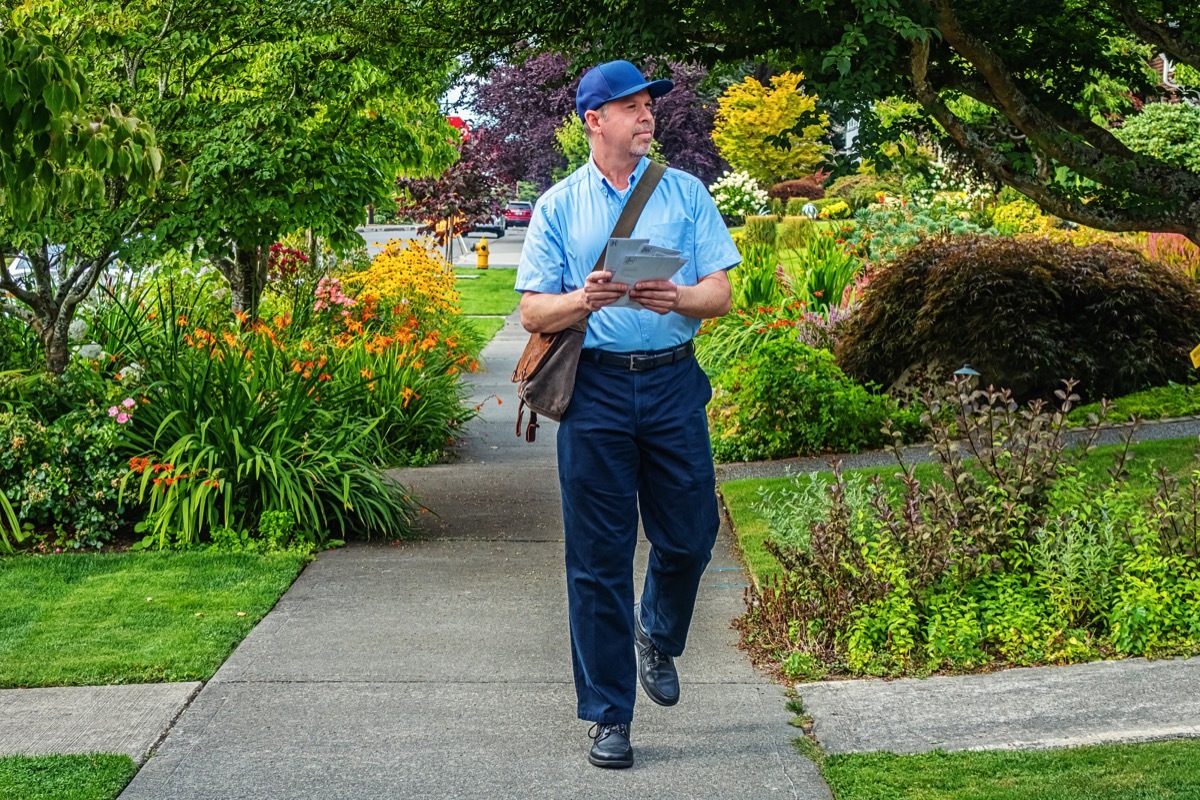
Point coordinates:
[(521, 106), (684, 125), (471, 190)]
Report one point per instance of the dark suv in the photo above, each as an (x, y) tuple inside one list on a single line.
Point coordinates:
[(518, 213)]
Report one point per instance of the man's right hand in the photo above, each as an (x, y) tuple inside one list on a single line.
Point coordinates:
[(598, 292)]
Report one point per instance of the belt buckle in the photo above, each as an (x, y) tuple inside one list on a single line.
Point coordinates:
[(636, 361)]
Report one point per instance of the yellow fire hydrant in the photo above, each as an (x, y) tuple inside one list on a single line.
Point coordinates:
[(481, 254)]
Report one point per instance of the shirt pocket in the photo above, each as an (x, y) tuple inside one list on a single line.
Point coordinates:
[(677, 236)]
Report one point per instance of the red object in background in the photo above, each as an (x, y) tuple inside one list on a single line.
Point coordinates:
[(461, 125), (519, 213)]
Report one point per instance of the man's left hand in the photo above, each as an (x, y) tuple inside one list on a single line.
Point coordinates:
[(661, 297)]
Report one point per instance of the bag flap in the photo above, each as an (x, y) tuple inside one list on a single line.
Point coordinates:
[(536, 350)]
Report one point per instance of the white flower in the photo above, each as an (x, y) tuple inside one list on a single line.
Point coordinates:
[(77, 331), (91, 351)]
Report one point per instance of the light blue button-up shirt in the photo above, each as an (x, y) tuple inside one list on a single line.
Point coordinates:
[(571, 225)]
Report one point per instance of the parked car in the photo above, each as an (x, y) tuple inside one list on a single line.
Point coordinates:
[(518, 213), (494, 226)]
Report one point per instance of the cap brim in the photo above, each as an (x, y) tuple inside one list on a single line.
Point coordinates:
[(657, 89)]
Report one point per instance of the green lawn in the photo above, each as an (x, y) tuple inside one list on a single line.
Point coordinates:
[(487, 327), (741, 497), (487, 298), (1154, 771), (75, 619), (487, 292), (91, 777)]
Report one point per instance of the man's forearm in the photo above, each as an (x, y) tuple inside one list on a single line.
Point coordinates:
[(711, 297), (548, 313)]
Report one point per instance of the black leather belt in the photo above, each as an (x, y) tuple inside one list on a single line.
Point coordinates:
[(639, 362)]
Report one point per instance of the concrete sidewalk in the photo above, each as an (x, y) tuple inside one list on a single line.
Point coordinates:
[(90, 719), (441, 668)]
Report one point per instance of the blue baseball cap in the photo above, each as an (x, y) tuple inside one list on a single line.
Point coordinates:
[(611, 81)]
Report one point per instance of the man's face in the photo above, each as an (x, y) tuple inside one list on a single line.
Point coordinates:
[(627, 122)]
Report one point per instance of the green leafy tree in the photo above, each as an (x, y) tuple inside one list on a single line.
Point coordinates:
[(772, 133), (274, 117), (1041, 78), (1169, 132), (572, 143), (73, 177)]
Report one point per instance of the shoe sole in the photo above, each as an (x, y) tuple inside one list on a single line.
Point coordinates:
[(624, 763)]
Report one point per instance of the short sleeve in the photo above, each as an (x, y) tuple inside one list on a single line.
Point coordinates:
[(715, 249), (543, 256)]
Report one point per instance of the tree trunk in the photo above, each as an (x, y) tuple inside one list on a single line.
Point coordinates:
[(247, 276), (53, 330)]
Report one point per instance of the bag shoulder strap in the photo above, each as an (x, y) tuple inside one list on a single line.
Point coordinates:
[(629, 217), (633, 209)]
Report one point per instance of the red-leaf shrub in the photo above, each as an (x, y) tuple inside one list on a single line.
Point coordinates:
[(811, 187), (1026, 313)]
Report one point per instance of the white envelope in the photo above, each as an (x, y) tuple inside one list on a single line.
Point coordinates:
[(636, 268)]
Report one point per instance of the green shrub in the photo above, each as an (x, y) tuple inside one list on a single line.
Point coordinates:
[(759, 230), (60, 460), (1026, 313), (1021, 216), (786, 399), (795, 206), (755, 282), (233, 431), (821, 272), (1018, 556), (860, 191), (1166, 131), (793, 233), (727, 340), (882, 233)]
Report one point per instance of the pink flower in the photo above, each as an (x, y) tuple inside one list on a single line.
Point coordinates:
[(129, 403), (113, 410), (122, 418)]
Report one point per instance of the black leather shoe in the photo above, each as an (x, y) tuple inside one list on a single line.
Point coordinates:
[(656, 669), (610, 745)]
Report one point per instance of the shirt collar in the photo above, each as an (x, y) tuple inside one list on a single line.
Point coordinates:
[(637, 173)]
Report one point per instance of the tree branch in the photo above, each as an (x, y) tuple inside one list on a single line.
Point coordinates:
[(39, 261), (1147, 176), (1157, 34), (23, 314), (77, 296), (1064, 116), (10, 285), (1093, 214)]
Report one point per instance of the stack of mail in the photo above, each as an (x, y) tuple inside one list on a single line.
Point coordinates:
[(634, 260)]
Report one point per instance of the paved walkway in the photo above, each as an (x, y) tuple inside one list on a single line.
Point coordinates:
[(441, 669)]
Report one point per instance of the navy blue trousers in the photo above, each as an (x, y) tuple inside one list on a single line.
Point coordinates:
[(630, 441)]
